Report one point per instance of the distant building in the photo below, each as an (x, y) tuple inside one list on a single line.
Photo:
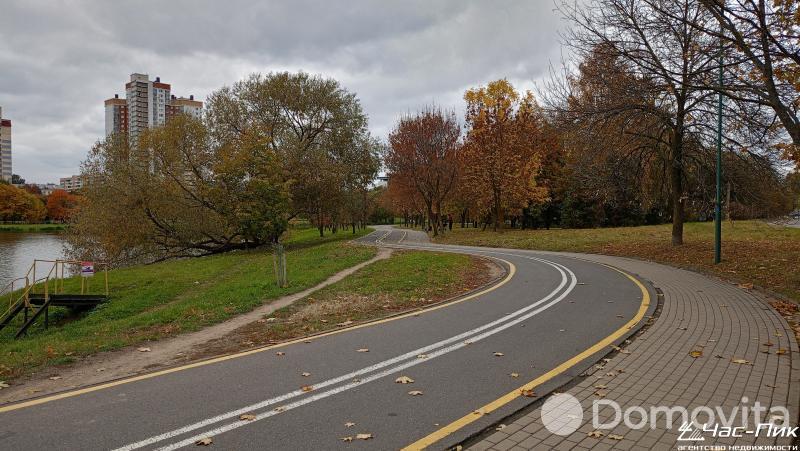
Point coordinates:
[(5, 147), (47, 188), (183, 105), (72, 183), (116, 115), (147, 104)]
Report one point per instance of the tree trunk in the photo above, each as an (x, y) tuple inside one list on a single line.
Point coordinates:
[(498, 213), (676, 177)]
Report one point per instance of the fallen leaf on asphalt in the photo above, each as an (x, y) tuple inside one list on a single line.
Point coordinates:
[(600, 394), (269, 320), (514, 374), (305, 374), (347, 439), (620, 316), (746, 286), (596, 434), (100, 369), (741, 361), (247, 417), (561, 330), (615, 437), (467, 342), (344, 323), (356, 381), (781, 351), (34, 390), (480, 412), (206, 441), (362, 350), (682, 328), (696, 353), (349, 424), (611, 374), (404, 380), (422, 356), (55, 378), (280, 353), (261, 321), (364, 436), (527, 392), (279, 409), (415, 393), (600, 387), (306, 388), (143, 349), (498, 354), (717, 356), (500, 427), (769, 343)]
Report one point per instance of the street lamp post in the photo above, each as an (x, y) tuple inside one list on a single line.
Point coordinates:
[(718, 203)]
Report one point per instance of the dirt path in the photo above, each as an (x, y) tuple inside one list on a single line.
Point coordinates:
[(106, 366)]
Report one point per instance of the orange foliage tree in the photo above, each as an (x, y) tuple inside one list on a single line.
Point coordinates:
[(423, 156), (18, 205), (61, 205), (503, 150)]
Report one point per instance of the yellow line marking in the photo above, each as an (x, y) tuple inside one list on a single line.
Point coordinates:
[(511, 271), (460, 423)]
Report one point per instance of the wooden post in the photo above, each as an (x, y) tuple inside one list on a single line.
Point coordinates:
[(279, 265)]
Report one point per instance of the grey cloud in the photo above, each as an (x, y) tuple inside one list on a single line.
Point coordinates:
[(60, 60)]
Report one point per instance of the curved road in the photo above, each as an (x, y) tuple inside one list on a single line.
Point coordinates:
[(551, 318)]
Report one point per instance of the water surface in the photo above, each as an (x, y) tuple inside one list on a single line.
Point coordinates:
[(18, 249)]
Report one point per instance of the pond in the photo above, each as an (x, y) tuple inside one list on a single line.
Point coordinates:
[(18, 250)]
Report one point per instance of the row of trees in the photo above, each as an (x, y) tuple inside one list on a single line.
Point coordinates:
[(270, 149), (27, 204), (628, 137)]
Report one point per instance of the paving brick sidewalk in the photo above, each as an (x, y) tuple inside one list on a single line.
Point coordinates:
[(699, 313)]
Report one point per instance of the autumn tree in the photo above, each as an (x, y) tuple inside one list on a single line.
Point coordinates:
[(18, 205), (423, 151), (177, 194), (672, 60), (61, 205), (502, 152), (762, 65), (315, 128)]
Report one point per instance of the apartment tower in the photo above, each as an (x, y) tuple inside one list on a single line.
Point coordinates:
[(5, 147), (148, 103)]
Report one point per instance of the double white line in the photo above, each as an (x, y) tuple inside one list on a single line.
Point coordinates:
[(370, 373)]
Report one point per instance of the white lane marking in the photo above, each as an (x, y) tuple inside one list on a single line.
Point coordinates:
[(379, 365), (340, 389), (403, 237)]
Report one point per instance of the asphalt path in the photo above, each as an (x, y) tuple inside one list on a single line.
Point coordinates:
[(547, 310)]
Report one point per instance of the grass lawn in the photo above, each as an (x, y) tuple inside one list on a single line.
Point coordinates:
[(32, 227), (408, 280), (155, 301), (752, 251)]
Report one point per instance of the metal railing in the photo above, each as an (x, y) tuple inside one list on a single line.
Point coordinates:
[(55, 275)]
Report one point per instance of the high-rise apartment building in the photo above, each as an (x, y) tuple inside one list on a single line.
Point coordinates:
[(5, 147), (147, 104), (116, 115)]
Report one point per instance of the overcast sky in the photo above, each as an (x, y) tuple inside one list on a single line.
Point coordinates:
[(60, 59)]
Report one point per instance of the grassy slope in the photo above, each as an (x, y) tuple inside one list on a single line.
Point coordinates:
[(753, 251), (408, 280), (32, 227), (159, 300)]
